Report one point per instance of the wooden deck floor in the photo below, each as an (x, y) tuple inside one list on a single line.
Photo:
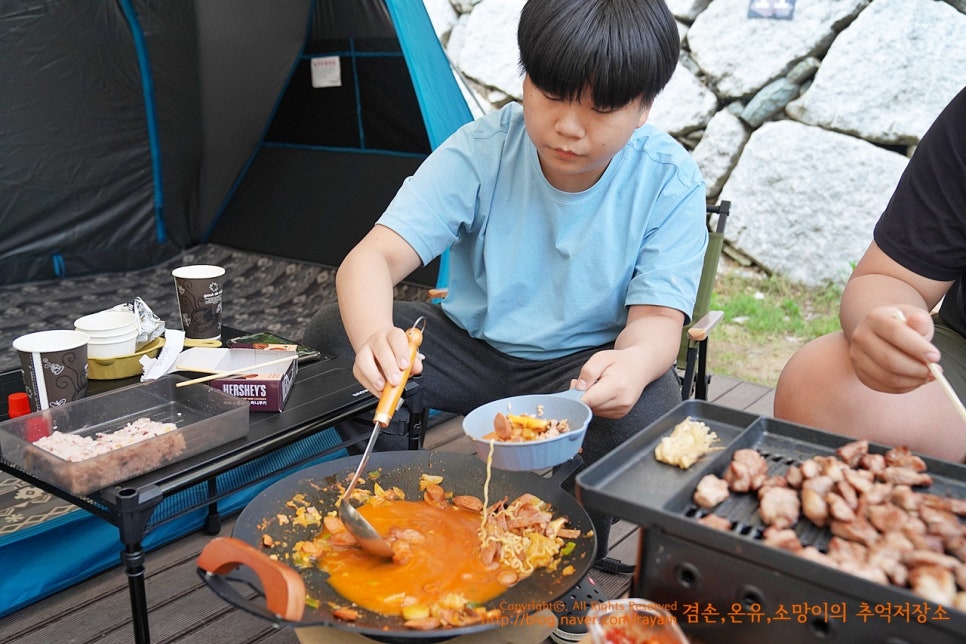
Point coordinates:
[(183, 610)]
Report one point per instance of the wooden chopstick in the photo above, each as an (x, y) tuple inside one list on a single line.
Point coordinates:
[(234, 372), (937, 373)]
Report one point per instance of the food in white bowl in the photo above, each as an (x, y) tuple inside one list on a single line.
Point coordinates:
[(539, 451)]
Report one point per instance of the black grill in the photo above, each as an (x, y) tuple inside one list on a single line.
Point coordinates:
[(698, 570)]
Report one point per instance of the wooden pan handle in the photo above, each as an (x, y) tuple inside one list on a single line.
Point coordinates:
[(283, 586)]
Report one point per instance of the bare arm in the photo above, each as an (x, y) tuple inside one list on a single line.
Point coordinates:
[(644, 350), (364, 284), (889, 354)]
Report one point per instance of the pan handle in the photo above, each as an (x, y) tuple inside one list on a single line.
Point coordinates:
[(283, 586), (573, 394), (560, 473)]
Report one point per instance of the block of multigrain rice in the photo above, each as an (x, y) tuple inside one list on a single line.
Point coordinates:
[(93, 443)]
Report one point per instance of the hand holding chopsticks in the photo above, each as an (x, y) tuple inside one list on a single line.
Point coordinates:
[(937, 373), (234, 372)]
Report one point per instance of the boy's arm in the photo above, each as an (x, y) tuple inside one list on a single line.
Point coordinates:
[(364, 285), (644, 350)]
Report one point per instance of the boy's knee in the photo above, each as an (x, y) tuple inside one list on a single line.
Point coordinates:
[(325, 332)]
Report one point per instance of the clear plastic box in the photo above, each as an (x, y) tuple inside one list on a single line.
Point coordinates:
[(205, 418)]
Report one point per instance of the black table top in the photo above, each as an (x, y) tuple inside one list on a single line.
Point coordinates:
[(325, 393)]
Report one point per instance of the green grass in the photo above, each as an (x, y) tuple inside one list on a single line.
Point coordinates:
[(766, 320), (771, 305)]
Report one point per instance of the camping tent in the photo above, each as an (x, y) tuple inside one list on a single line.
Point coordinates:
[(131, 130)]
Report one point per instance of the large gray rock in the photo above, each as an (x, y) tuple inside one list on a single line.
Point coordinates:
[(719, 150), (685, 105), (489, 53), (889, 74), (806, 199), (812, 178), (443, 16), (687, 10), (741, 54)]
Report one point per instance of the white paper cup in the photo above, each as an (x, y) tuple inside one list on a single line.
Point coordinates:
[(199, 289), (54, 367), (114, 346), (107, 323)]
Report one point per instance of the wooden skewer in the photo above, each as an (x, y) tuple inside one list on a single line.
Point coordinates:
[(234, 372), (948, 389), (937, 373)]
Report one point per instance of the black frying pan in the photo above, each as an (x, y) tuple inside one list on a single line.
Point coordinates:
[(462, 474)]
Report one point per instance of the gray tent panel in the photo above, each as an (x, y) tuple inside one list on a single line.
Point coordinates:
[(84, 185), (130, 130)]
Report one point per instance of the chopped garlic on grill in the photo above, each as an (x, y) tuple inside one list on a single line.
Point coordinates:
[(687, 442)]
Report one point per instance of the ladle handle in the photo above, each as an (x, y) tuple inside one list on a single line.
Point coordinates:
[(389, 399)]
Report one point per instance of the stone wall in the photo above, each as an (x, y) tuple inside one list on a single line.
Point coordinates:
[(805, 124)]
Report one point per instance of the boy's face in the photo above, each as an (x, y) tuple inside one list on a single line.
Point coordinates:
[(574, 140)]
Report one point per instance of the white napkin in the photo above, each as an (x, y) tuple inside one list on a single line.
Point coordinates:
[(154, 368)]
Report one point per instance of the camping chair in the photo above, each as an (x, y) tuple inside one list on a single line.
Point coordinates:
[(693, 355)]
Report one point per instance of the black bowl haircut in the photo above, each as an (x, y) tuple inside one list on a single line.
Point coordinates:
[(624, 50)]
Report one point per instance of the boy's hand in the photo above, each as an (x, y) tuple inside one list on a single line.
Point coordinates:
[(613, 381), (890, 347), (383, 358)]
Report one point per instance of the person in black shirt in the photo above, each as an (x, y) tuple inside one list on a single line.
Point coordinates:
[(871, 380)]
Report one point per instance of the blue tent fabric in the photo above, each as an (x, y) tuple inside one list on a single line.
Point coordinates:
[(432, 73), (435, 84), (333, 157), (127, 129)]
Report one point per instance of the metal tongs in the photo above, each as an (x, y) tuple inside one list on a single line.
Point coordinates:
[(355, 523)]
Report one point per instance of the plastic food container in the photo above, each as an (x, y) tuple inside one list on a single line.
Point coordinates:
[(534, 454), (205, 418)]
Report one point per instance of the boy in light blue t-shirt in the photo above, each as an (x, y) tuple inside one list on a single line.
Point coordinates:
[(576, 235)]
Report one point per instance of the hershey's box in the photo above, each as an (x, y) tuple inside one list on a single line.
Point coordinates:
[(265, 386)]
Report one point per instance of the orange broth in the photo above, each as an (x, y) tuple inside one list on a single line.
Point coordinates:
[(448, 561)]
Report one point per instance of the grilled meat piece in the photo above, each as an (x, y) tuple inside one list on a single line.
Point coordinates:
[(716, 521), (747, 471), (710, 491), (778, 506)]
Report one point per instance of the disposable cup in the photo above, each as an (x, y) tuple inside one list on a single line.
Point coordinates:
[(54, 367), (112, 347), (199, 289), (107, 323)]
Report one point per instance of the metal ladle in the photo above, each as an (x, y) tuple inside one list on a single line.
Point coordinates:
[(354, 522)]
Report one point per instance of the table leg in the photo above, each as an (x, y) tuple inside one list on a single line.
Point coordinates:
[(213, 520), (135, 507), (133, 559)]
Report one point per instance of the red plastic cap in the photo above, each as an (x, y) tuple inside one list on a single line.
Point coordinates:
[(18, 404)]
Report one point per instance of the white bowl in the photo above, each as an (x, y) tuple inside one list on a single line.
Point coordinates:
[(534, 454), (107, 323), (112, 347)]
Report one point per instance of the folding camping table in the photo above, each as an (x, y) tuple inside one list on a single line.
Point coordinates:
[(325, 394)]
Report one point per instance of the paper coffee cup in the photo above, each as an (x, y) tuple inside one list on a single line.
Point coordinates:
[(54, 367), (199, 289)]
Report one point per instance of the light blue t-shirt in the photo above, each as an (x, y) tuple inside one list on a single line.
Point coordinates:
[(539, 273)]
